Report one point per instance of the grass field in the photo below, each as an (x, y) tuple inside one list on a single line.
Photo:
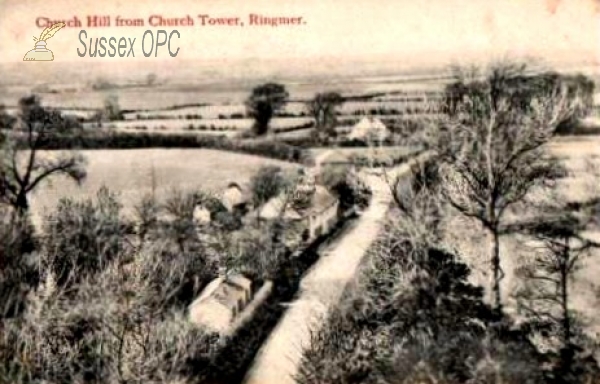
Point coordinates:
[(129, 173)]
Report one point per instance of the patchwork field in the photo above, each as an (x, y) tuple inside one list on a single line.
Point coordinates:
[(130, 173)]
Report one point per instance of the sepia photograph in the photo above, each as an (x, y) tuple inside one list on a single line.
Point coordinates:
[(300, 192)]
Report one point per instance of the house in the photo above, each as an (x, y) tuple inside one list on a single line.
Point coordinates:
[(312, 209), (236, 198), (221, 303), (369, 128)]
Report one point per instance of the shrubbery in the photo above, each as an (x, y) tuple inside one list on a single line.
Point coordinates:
[(110, 303), (415, 318)]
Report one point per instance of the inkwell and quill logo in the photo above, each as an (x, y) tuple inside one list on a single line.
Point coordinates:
[(40, 52)]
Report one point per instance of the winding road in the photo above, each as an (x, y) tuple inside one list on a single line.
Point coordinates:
[(323, 285)]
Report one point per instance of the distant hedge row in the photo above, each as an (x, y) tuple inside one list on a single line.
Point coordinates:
[(309, 141), (271, 149)]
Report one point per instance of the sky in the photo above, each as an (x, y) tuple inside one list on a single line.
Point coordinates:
[(407, 30)]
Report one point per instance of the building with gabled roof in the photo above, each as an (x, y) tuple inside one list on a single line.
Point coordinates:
[(314, 209), (369, 128), (221, 302)]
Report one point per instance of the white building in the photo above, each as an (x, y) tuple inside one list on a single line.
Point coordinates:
[(369, 128), (221, 302)]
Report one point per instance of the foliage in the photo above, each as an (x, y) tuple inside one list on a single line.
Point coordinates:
[(581, 89), (255, 253), (262, 104), (545, 297), (7, 121), (492, 146), (120, 140), (104, 332), (104, 312), (18, 269), (23, 169), (417, 196), (81, 238), (112, 111), (349, 188), (414, 318), (323, 109), (268, 182)]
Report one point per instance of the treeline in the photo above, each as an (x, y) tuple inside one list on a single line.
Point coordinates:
[(111, 140)]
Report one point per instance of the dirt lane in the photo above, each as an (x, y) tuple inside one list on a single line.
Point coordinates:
[(323, 285)]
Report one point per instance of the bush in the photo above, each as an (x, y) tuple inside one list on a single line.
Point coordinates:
[(103, 332), (18, 263), (81, 238)]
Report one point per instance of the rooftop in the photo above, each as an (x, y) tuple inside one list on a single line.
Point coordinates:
[(226, 291), (320, 200)]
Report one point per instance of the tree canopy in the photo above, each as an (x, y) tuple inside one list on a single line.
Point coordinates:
[(262, 104)]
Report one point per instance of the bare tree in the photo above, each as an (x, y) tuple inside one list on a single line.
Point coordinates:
[(22, 170), (549, 274), (545, 297), (492, 145)]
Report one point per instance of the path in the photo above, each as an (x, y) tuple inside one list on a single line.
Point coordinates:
[(323, 285)]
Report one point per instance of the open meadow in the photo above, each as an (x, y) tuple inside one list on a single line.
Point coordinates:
[(132, 174)]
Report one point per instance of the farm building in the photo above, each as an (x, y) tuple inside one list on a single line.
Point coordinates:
[(221, 302), (369, 128), (312, 211)]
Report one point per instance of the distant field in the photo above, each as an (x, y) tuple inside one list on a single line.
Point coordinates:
[(129, 173)]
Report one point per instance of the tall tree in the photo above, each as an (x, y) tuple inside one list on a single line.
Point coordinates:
[(492, 144), (323, 109), (23, 169), (264, 101)]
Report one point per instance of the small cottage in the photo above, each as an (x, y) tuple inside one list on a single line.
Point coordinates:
[(369, 128), (317, 214), (221, 303)]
